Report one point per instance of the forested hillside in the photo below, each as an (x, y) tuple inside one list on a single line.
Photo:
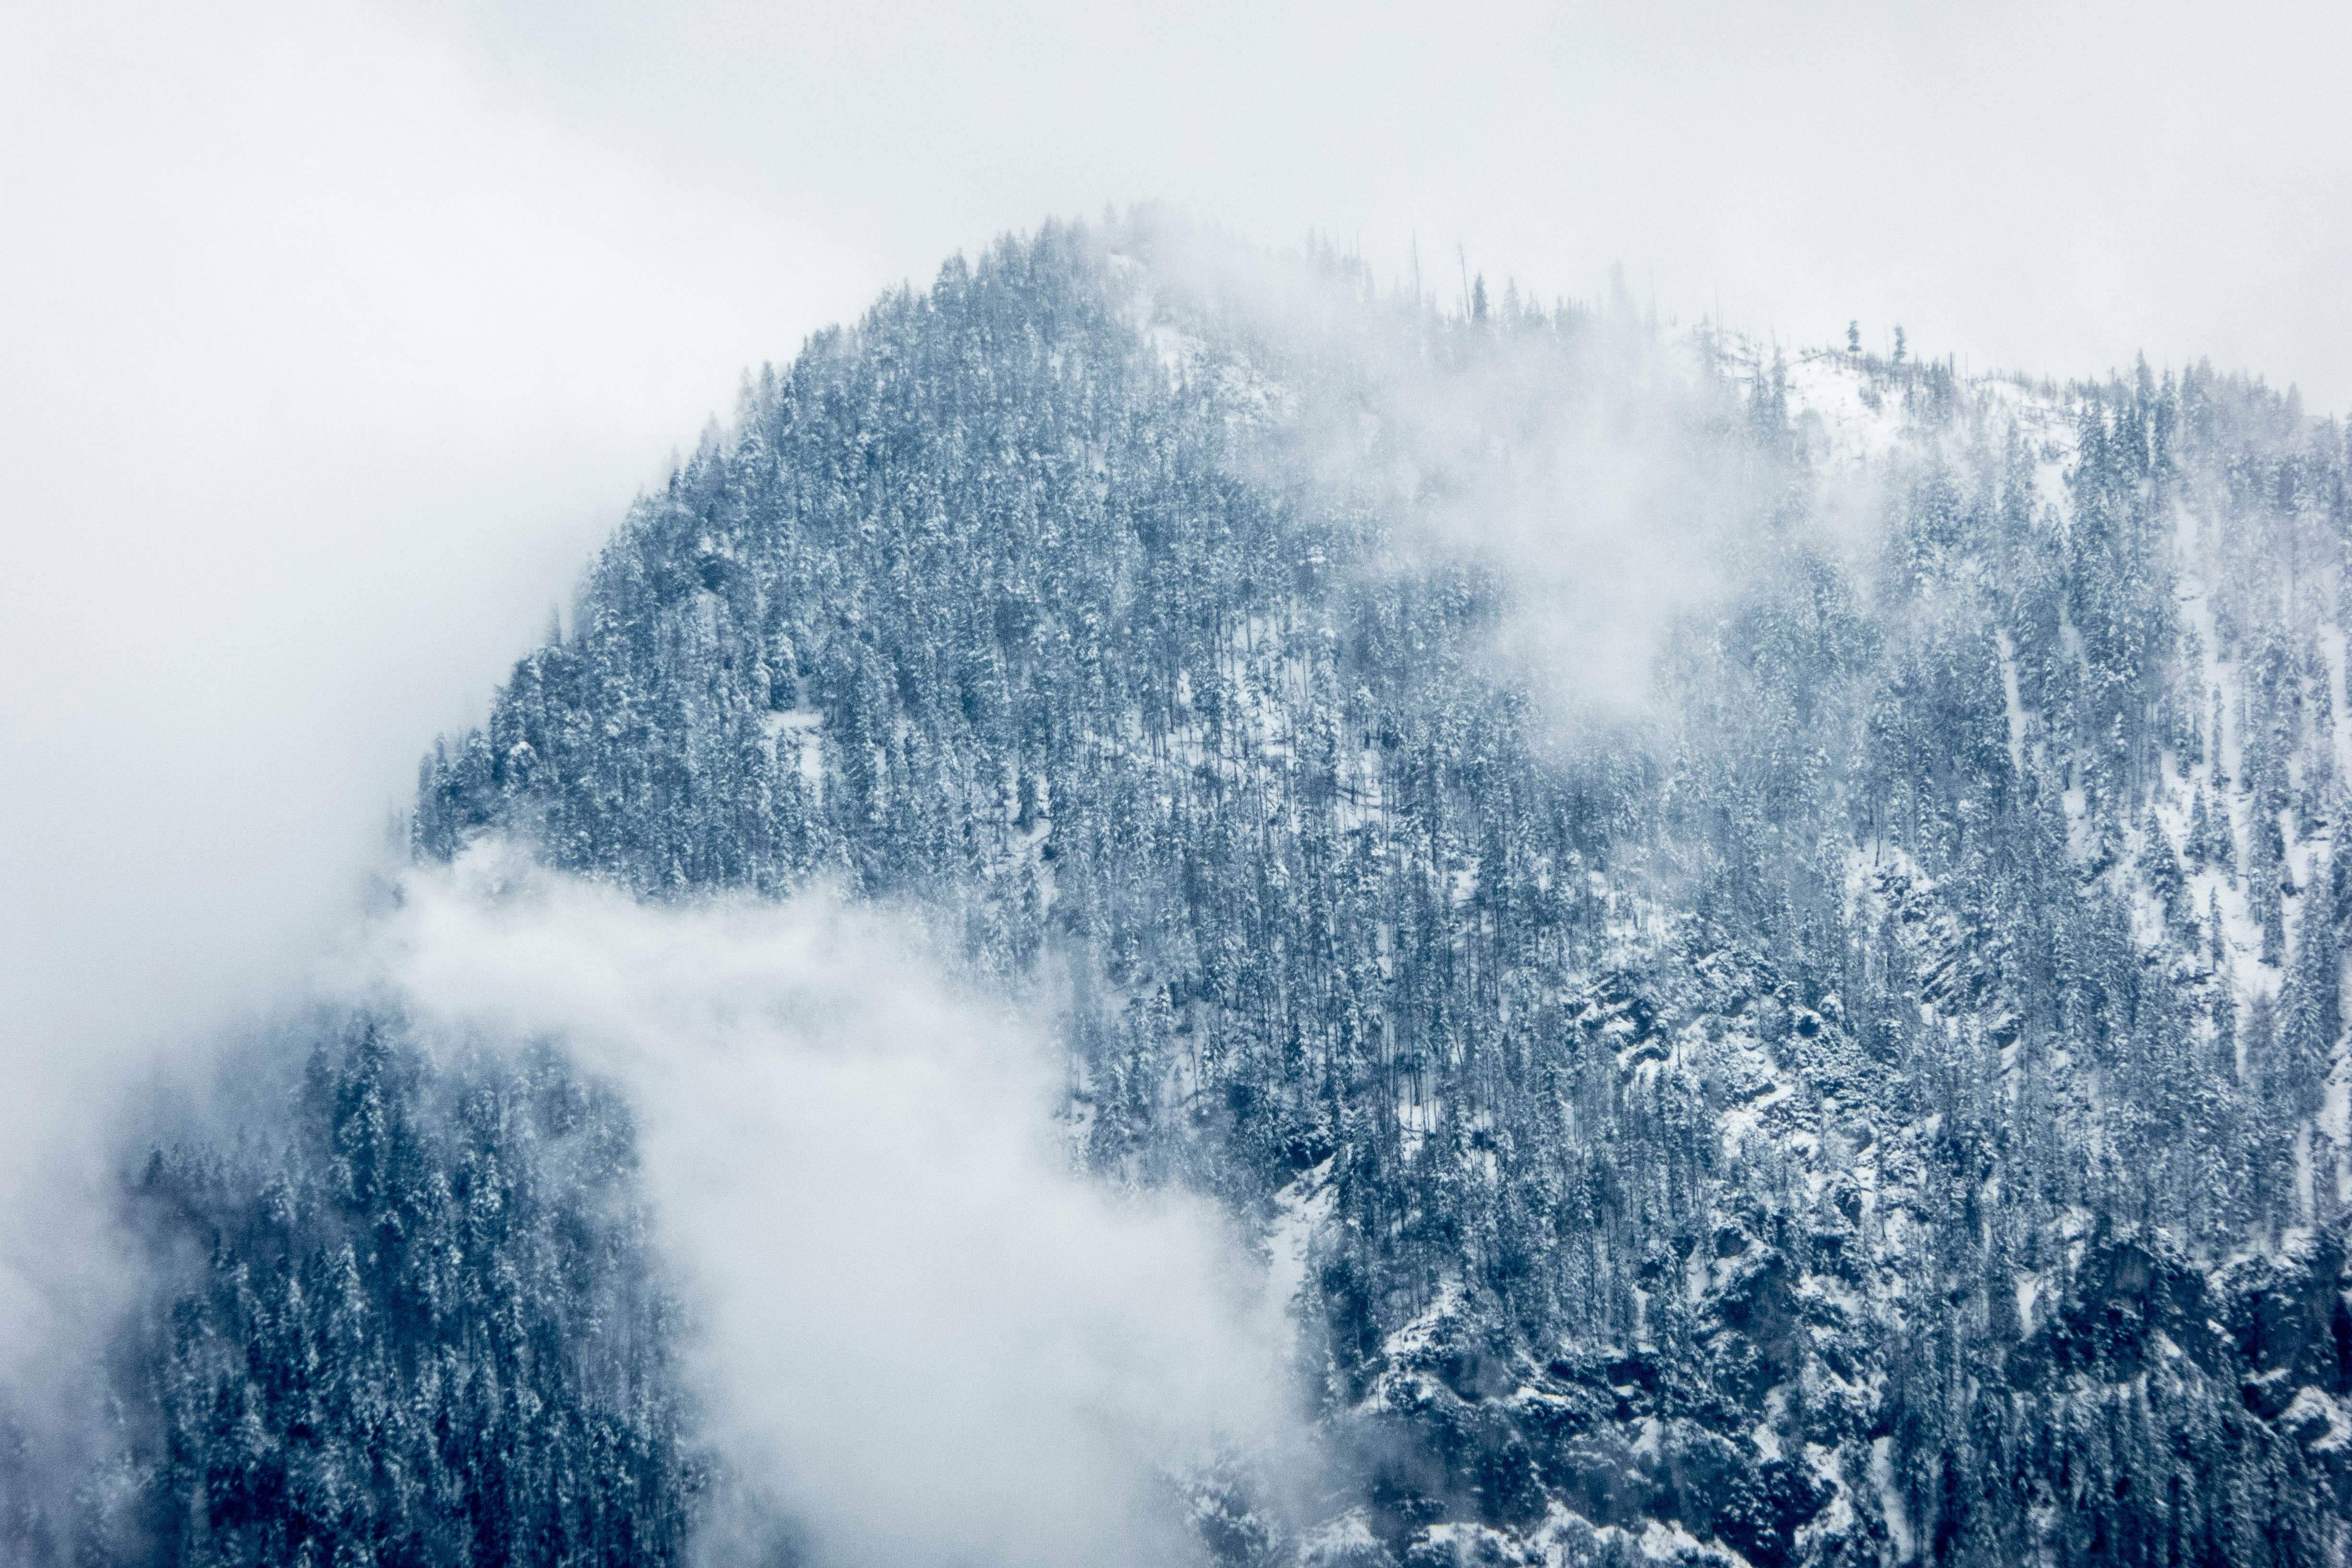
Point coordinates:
[(1876, 1093)]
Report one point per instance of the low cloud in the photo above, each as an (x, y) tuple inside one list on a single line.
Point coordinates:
[(926, 1337), (1588, 461)]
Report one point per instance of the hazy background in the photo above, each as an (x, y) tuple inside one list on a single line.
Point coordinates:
[(332, 336)]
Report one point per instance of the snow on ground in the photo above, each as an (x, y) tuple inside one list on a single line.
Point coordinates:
[(1855, 415), (1848, 423), (2011, 699), (801, 731), (1300, 1210), (2314, 1407), (1180, 353), (1347, 1539)]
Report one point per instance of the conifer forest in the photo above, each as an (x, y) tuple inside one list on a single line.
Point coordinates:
[(1745, 940)]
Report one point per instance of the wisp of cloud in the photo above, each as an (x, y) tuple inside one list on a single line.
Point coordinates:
[(926, 1337)]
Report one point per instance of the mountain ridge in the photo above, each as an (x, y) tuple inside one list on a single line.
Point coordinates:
[(1762, 937)]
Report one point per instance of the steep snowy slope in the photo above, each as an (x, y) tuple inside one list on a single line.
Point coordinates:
[(1878, 1094), (1757, 939)]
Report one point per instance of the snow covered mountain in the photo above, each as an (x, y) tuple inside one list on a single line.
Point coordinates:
[(1756, 941)]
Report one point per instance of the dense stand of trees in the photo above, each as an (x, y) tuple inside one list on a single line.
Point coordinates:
[(1874, 1103), (405, 1315), (980, 602)]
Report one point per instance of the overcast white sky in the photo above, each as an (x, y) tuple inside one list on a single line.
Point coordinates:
[(332, 335)]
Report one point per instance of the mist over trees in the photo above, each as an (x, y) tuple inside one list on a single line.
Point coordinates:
[(1878, 1096)]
